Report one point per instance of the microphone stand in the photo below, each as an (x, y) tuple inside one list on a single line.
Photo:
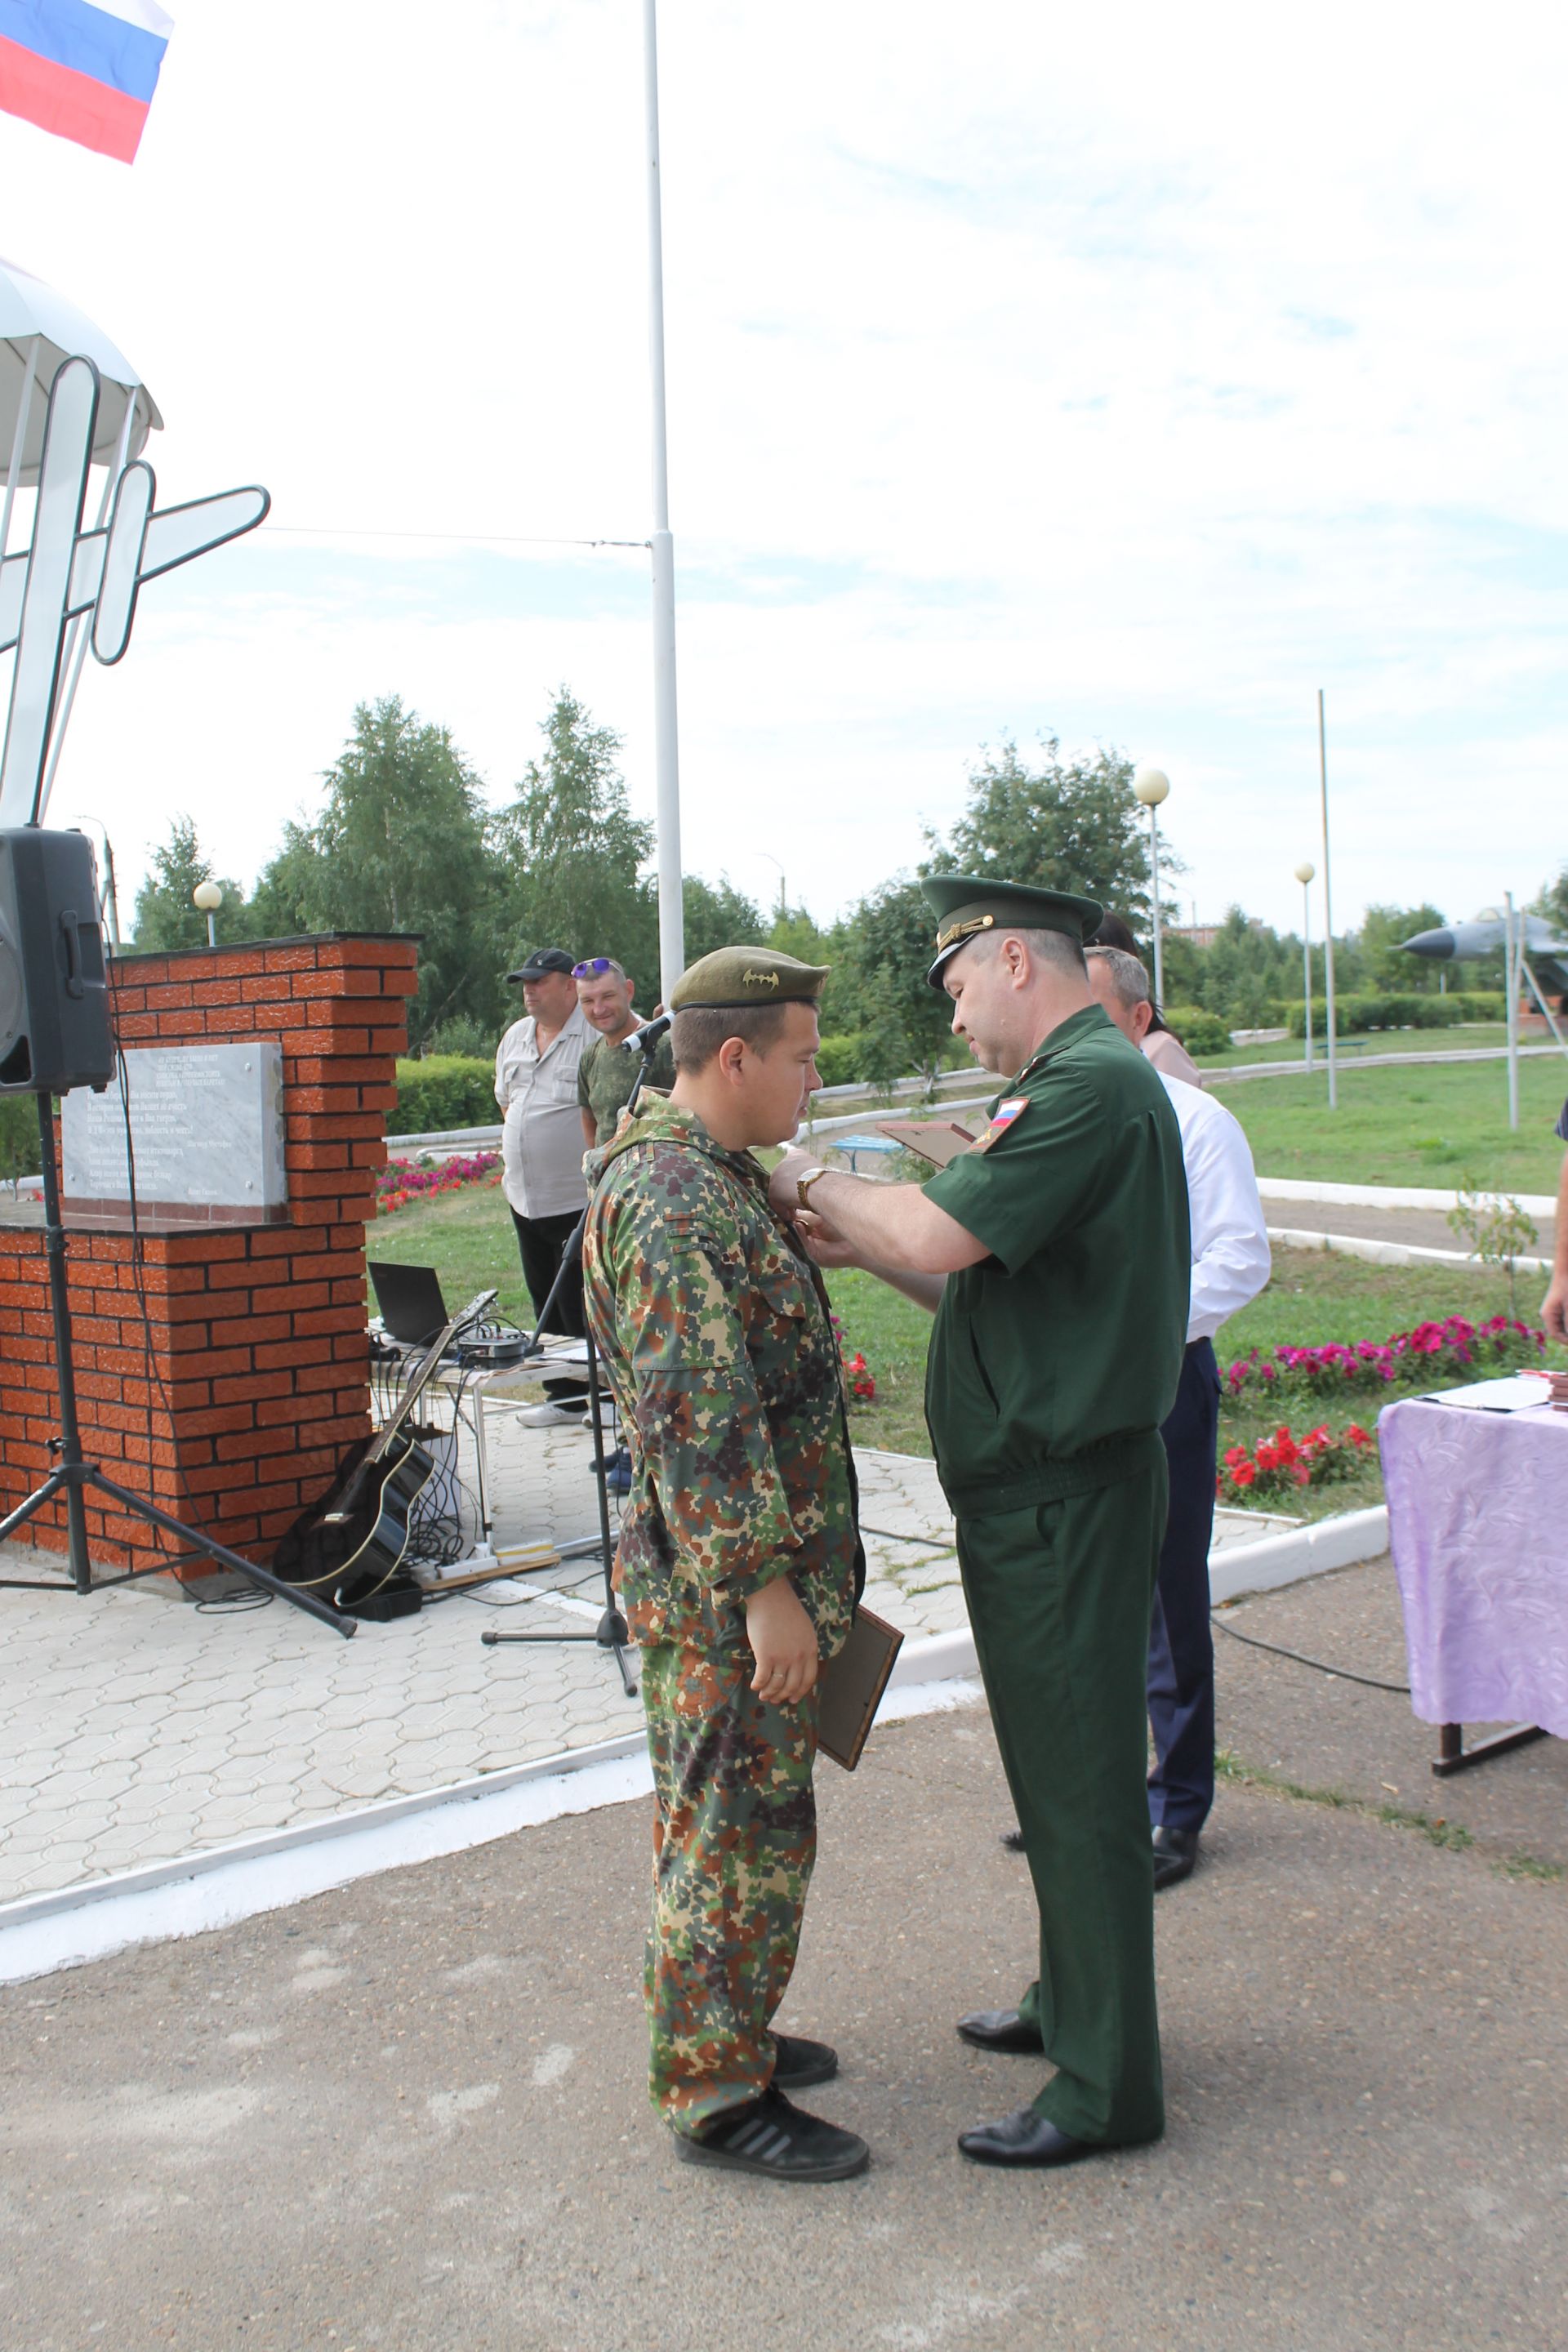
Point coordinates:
[(611, 1632)]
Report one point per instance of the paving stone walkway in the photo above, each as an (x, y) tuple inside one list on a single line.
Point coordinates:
[(139, 1726)]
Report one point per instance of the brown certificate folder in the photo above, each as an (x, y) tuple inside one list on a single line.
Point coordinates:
[(937, 1140), (852, 1685)]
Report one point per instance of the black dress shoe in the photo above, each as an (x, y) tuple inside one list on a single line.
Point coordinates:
[(1012, 1840), (797, 2063), (1000, 2029), (1175, 1855), (783, 2143), (1025, 2138)]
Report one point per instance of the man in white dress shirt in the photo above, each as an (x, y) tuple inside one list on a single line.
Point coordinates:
[(541, 1152), (1230, 1266)]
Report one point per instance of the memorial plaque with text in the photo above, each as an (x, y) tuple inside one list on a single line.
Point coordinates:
[(207, 1132)]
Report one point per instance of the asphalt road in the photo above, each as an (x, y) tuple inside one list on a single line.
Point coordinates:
[(409, 2115)]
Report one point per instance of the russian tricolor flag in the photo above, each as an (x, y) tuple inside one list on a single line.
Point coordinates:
[(85, 69)]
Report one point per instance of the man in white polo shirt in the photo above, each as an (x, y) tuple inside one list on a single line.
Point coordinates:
[(1230, 1266), (541, 1152)]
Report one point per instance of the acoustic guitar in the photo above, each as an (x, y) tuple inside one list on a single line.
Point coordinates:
[(355, 1537)]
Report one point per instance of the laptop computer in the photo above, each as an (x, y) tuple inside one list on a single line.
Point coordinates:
[(409, 1296)]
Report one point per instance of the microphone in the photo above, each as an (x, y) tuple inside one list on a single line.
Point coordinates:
[(643, 1040)]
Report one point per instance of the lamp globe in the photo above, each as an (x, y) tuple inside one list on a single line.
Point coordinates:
[(1306, 872), (1150, 785), (207, 897)]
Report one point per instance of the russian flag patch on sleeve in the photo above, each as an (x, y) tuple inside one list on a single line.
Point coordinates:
[(1005, 1116)]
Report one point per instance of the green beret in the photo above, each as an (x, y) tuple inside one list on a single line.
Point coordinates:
[(733, 979), (966, 904)]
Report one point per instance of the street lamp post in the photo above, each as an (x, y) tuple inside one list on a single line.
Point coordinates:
[(1151, 786), (1304, 876), (209, 898)]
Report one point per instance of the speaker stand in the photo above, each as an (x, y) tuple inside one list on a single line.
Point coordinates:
[(73, 1475)]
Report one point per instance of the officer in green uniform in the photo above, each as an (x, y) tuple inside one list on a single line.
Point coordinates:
[(1055, 1255), (739, 1564)]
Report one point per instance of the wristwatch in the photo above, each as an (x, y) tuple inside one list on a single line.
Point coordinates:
[(804, 1184)]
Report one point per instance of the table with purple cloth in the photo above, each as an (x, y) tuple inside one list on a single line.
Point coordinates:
[(1478, 1524)]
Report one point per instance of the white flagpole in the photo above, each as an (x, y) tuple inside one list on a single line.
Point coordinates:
[(667, 754), (1328, 909)]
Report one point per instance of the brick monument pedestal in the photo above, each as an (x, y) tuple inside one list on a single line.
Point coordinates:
[(222, 1370)]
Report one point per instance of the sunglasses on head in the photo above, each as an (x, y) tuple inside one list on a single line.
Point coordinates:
[(593, 968)]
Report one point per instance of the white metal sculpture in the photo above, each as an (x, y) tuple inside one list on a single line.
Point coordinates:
[(69, 573)]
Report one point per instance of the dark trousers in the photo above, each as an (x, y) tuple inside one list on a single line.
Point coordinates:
[(539, 1242), (1059, 1598), (1181, 1640)]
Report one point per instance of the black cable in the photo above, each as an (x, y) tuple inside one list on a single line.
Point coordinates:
[(1300, 1658)]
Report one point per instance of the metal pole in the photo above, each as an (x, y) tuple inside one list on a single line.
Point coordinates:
[(68, 1450), (1307, 960), (110, 896), (79, 637), (1510, 981), (113, 909), (666, 752), (1328, 911), (1154, 864), (211, 930), (18, 442)]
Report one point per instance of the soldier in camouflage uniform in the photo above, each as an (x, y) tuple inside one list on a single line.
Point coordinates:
[(739, 1564)]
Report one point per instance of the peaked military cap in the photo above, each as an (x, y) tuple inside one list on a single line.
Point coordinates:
[(733, 979), (966, 905)]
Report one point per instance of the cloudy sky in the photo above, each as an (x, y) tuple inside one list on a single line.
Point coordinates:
[(1124, 374)]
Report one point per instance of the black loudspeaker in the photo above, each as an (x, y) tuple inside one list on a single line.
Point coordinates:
[(56, 1031)]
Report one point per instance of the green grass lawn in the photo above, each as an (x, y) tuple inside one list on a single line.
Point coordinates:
[(468, 1237), (1431, 1126), (1315, 1296)]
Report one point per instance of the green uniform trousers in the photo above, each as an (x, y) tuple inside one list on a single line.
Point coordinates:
[(1059, 1598), (734, 1840)]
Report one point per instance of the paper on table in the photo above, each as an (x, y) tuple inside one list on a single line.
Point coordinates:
[(1521, 1392)]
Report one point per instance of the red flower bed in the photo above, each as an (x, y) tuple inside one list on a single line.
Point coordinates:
[(403, 1181), (1280, 1463), (857, 1377)]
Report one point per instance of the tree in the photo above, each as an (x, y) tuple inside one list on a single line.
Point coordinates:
[(1383, 933), (1072, 827), (884, 990), (1551, 901), (571, 851), (399, 847), (717, 915), (164, 916)]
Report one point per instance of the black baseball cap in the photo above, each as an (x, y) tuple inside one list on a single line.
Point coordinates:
[(544, 960)]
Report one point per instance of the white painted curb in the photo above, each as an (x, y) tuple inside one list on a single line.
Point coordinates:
[(194, 1893), (1275, 1560), (1392, 1252), (1386, 1196)]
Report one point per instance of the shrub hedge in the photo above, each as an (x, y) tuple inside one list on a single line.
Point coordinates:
[(1199, 1032), (444, 1090), (1358, 1014)]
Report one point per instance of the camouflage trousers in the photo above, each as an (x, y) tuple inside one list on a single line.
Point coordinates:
[(734, 1839)]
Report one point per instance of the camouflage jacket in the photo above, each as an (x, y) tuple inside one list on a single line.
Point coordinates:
[(714, 1330)]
